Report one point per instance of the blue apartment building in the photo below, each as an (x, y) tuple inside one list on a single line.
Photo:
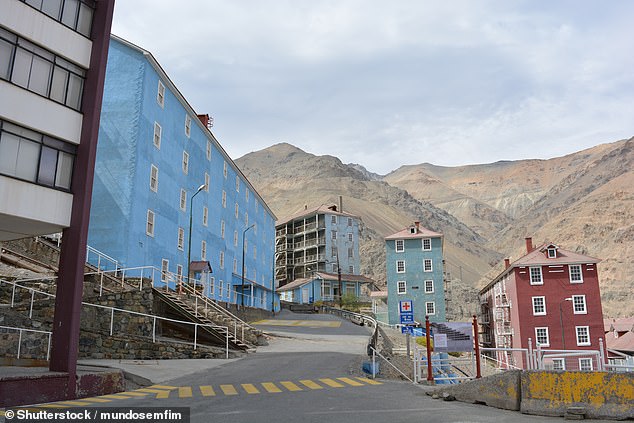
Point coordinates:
[(414, 262), (158, 167)]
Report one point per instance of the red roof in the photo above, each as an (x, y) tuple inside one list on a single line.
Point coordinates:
[(624, 343), (420, 232)]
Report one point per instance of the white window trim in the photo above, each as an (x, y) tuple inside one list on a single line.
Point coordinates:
[(432, 286), (400, 284), (154, 178), (203, 250), (237, 183), (585, 305), (181, 238), (530, 275), (224, 199), (222, 260), (583, 344), (185, 162), (224, 170), (404, 268), (396, 242), (222, 229), (423, 244), (183, 200), (188, 126), (150, 220), (543, 313), (585, 359), (547, 344), (431, 267), (433, 304), (179, 272), (549, 250), (205, 216), (165, 268), (208, 152), (207, 182), (160, 94), (580, 273), (559, 360), (157, 135), (237, 211)]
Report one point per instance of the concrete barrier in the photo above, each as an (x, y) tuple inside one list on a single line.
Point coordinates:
[(599, 394), (500, 391)]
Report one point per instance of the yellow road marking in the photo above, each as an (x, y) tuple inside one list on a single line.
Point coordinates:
[(290, 386), (207, 391), (52, 406), (228, 390), (350, 381), (74, 403), (302, 323), (163, 394), (331, 383), (270, 387), (151, 391), (132, 394), (185, 392), (162, 387), (97, 400), (310, 384), (118, 396), (250, 388), (369, 381)]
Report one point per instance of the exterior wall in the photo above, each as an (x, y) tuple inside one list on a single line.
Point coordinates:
[(415, 278), (123, 195)]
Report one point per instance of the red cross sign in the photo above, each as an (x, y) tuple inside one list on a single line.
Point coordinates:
[(406, 306)]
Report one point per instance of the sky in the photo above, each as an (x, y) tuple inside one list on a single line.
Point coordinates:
[(389, 83)]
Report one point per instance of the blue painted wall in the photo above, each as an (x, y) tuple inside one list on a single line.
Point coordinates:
[(122, 194), (343, 243), (415, 279)]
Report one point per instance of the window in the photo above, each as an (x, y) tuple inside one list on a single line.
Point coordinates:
[(539, 306), (559, 364), (350, 252), (246, 194), (203, 250), (237, 183), (552, 253), (222, 229), (575, 273), (430, 308), (333, 234), (579, 304), (149, 225), (246, 218), (160, 95), (183, 200), (429, 286), (157, 135), (350, 238), (154, 178), (335, 268), (208, 150), (426, 244), (349, 221), (333, 251), (583, 335), (235, 237), (536, 276), (224, 199), (400, 266), (212, 285), (188, 125), (185, 162), (181, 238), (237, 210), (400, 246), (165, 264), (235, 265), (222, 259), (585, 364), (401, 287), (351, 270), (541, 337), (224, 169), (427, 265), (207, 181), (179, 272), (205, 215)]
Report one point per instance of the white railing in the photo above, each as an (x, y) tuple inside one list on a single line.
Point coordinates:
[(103, 261), (21, 330), (118, 310)]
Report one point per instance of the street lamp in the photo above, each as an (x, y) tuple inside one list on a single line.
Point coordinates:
[(244, 232), (189, 239), (561, 322)]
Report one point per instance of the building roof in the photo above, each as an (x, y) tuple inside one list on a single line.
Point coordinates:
[(323, 209), (538, 257), (297, 283), (622, 324), (421, 232), (200, 266), (624, 343)]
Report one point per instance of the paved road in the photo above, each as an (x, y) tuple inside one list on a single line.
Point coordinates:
[(309, 372)]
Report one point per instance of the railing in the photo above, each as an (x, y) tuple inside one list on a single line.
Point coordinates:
[(21, 330), (101, 259), (118, 310)]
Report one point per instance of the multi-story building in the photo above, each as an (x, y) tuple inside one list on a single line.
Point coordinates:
[(323, 239), (159, 167), (414, 264), (549, 297)]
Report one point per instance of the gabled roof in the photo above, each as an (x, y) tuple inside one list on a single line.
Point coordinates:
[(200, 266), (323, 209), (406, 233), (624, 343), (622, 324), (295, 284), (298, 283)]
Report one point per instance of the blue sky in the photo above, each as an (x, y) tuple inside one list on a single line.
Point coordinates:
[(385, 84)]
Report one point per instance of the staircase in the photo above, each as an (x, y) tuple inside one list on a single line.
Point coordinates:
[(183, 305)]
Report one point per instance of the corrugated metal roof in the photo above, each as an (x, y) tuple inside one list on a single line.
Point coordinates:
[(323, 209), (406, 233), (624, 343)]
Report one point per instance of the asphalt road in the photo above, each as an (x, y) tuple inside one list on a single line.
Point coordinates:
[(309, 372)]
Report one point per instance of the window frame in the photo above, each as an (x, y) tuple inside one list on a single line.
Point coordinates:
[(208, 152), (399, 268), (583, 302), (586, 360), (530, 275), (183, 200), (562, 365), (150, 222), (570, 273), (579, 335), (160, 94), (431, 265), (188, 126), (181, 238), (396, 245), (185, 162), (537, 336), (158, 134), (165, 268), (153, 178), (433, 308), (203, 250), (205, 216), (427, 285), (401, 287), (536, 305), (426, 240)]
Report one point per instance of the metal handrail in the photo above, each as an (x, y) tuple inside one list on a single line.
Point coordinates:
[(20, 330)]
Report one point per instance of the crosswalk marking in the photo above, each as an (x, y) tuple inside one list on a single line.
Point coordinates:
[(369, 381), (185, 392), (133, 394), (163, 395), (350, 381), (290, 386), (74, 403), (207, 391), (162, 387), (99, 400), (310, 384), (331, 383), (250, 388), (271, 387), (228, 390), (151, 391)]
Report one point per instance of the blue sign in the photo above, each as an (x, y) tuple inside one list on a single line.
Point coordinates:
[(406, 329), (407, 318), (405, 307)]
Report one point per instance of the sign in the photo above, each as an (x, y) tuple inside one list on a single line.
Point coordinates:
[(407, 318), (405, 306), (453, 336)]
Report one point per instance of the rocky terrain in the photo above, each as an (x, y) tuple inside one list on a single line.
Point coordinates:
[(582, 202)]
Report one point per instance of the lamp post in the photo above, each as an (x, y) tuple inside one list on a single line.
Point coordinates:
[(561, 322), (189, 239), (244, 232)]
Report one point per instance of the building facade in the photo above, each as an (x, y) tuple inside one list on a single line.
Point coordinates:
[(414, 265), (549, 297), (324, 239), (159, 167), (321, 287)]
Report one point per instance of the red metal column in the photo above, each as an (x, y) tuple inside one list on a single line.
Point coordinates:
[(476, 340), (430, 376)]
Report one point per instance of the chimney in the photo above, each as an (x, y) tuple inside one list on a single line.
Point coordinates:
[(340, 204), (507, 263), (529, 244), (417, 224)]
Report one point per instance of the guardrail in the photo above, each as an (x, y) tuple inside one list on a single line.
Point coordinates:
[(20, 330)]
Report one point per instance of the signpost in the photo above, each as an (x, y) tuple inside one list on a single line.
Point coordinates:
[(406, 312)]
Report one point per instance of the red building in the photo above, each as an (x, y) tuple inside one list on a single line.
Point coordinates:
[(549, 296)]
